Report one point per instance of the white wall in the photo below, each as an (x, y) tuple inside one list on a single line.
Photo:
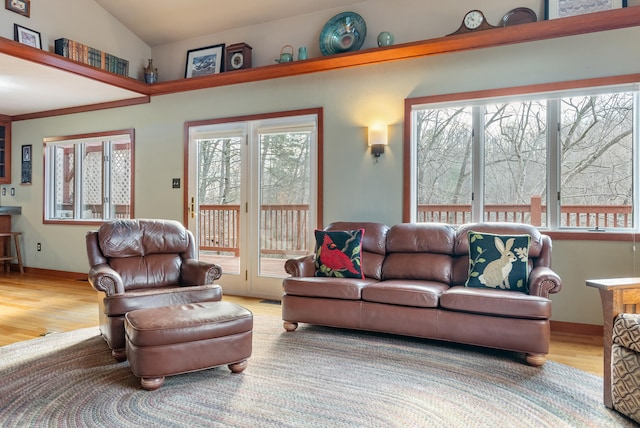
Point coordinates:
[(351, 99)]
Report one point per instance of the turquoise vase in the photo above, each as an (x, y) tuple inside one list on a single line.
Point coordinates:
[(385, 39)]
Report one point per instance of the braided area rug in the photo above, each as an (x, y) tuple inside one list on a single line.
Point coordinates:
[(314, 377)]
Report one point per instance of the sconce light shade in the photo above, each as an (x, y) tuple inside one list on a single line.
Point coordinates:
[(377, 139)]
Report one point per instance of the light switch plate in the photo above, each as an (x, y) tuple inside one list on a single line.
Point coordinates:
[(175, 183)]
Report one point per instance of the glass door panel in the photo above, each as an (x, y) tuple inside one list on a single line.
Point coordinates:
[(284, 199)]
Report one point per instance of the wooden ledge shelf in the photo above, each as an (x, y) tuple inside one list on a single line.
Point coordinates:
[(535, 31), (18, 50), (541, 30)]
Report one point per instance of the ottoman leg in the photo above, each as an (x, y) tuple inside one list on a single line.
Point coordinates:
[(152, 383), (238, 367)]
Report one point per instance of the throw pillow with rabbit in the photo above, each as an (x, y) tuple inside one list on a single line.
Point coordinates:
[(499, 261)]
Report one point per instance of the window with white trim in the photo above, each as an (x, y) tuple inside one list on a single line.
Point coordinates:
[(89, 177), (551, 160)]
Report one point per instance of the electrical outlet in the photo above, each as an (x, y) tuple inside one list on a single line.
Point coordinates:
[(13, 191), (39, 246), (4, 191)]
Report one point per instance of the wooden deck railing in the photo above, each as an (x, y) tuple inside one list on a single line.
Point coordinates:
[(285, 227), (220, 228), (589, 216)]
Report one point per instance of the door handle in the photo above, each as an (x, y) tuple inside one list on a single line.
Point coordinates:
[(193, 207)]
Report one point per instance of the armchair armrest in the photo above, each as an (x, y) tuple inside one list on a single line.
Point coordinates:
[(543, 281), (103, 278), (301, 266), (195, 272)]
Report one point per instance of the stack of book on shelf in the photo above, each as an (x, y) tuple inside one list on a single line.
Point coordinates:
[(91, 56)]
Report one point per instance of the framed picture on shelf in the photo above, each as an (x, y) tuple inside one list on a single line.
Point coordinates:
[(26, 36), (204, 61), (23, 7), (562, 8)]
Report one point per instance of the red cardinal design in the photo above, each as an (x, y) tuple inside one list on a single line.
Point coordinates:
[(333, 258)]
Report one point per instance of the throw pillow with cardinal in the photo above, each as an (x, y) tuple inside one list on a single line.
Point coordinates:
[(339, 253)]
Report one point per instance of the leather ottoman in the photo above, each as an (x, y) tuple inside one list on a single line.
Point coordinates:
[(171, 340)]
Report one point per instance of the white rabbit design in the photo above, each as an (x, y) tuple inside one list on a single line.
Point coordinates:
[(496, 273)]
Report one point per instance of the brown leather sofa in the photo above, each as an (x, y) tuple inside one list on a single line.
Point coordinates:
[(145, 263), (414, 276)]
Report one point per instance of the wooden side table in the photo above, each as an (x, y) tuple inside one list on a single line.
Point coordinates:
[(617, 295)]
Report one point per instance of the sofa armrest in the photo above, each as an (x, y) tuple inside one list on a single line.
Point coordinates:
[(105, 279), (196, 272), (301, 266), (544, 281)]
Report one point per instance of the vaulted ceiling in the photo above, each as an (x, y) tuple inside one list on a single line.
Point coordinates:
[(159, 22)]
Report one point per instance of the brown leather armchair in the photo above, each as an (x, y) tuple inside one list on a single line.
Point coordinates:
[(145, 263)]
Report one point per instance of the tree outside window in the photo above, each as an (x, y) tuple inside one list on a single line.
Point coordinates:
[(562, 162)]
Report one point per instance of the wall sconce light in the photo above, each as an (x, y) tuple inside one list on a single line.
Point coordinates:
[(377, 139)]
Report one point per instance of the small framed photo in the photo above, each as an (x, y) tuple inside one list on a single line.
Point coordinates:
[(25, 172), (23, 7), (205, 61), (27, 36), (562, 8), (26, 153)]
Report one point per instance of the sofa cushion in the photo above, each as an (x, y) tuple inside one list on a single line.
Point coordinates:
[(420, 251), (336, 288), (142, 237), (374, 244), (495, 302), (417, 266), (424, 294), (120, 304), (339, 253), (421, 238), (498, 261)]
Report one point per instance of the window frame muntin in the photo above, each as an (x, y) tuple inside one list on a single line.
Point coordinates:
[(84, 138), (556, 90)]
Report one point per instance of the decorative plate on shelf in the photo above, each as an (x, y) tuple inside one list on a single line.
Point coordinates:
[(519, 15), (344, 32)]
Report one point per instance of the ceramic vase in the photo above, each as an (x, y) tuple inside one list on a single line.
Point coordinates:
[(385, 39), (150, 73)]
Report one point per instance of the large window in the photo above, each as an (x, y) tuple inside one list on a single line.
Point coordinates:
[(555, 162), (88, 177)]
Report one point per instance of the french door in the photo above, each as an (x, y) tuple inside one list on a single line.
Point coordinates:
[(252, 195)]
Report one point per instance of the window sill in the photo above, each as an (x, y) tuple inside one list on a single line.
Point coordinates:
[(564, 235)]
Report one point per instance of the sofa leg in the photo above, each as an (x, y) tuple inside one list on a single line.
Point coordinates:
[(290, 325), (238, 367), (152, 383), (536, 360), (120, 355)]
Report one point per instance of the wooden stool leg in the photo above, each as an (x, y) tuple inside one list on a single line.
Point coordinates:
[(18, 252), (7, 253)]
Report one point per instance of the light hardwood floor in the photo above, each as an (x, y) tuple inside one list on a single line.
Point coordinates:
[(34, 305)]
